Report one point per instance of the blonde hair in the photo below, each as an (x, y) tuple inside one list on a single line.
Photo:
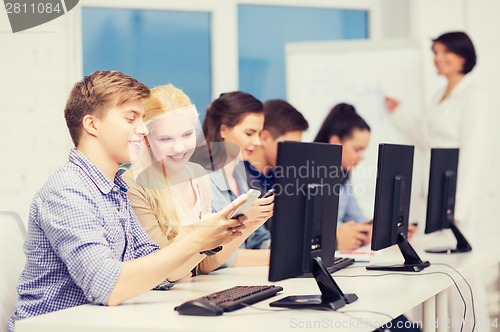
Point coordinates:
[(163, 100)]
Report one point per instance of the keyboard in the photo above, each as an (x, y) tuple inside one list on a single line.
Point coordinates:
[(226, 300), (339, 263)]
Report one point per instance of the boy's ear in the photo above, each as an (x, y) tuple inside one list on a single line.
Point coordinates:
[(90, 125), (265, 136), (334, 139)]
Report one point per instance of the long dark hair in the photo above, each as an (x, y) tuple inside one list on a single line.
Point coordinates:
[(229, 110), (341, 121)]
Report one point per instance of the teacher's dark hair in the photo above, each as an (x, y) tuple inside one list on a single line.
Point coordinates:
[(459, 43)]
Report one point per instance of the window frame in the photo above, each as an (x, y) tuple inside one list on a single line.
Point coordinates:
[(223, 41)]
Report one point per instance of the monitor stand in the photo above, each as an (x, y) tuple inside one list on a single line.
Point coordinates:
[(412, 263), (331, 298), (462, 244)]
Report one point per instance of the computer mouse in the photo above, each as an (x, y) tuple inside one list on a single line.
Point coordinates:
[(199, 308)]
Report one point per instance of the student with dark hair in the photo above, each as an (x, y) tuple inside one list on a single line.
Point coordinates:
[(84, 243), (233, 123), (282, 122), (344, 126)]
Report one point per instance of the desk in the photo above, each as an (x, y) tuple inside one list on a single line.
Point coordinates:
[(153, 311)]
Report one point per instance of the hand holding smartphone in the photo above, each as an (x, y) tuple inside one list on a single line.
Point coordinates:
[(269, 193), (242, 209)]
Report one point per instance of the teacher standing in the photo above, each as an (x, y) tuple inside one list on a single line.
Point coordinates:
[(458, 117)]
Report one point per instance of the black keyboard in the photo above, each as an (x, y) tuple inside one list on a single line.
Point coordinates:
[(339, 263), (227, 300)]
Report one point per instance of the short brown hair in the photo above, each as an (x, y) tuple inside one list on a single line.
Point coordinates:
[(459, 43), (98, 92), (282, 118)]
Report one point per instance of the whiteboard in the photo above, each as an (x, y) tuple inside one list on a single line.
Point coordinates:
[(322, 74)]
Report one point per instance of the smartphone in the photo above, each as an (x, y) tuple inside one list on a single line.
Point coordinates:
[(252, 196), (269, 193)]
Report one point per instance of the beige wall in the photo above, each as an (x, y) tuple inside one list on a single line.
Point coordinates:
[(34, 84)]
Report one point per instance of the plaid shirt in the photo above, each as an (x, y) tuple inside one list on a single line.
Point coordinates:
[(81, 229)]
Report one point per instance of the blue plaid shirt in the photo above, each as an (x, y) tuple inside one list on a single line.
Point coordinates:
[(81, 229)]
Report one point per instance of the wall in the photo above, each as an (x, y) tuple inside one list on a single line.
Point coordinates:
[(394, 19), (484, 25), (36, 67)]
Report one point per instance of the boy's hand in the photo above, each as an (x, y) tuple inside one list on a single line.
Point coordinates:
[(351, 235), (261, 210), (218, 228), (412, 229)]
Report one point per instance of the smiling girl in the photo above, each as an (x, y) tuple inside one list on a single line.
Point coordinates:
[(168, 193), (231, 127)]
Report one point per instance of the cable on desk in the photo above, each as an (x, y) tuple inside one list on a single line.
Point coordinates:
[(470, 290), (416, 275), (262, 309)]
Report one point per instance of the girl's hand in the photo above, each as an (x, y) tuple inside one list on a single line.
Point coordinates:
[(218, 228), (261, 210)]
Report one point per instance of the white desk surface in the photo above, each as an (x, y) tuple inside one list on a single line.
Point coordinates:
[(390, 294)]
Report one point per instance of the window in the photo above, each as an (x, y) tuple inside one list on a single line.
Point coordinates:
[(263, 32), (155, 46)]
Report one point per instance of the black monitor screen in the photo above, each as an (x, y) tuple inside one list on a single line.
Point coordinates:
[(441, 199), (306, 206), (392, 194), (442, 188)]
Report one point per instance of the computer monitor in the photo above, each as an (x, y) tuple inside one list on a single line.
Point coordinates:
[(303, 233), (441, 198), (392, 205)]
